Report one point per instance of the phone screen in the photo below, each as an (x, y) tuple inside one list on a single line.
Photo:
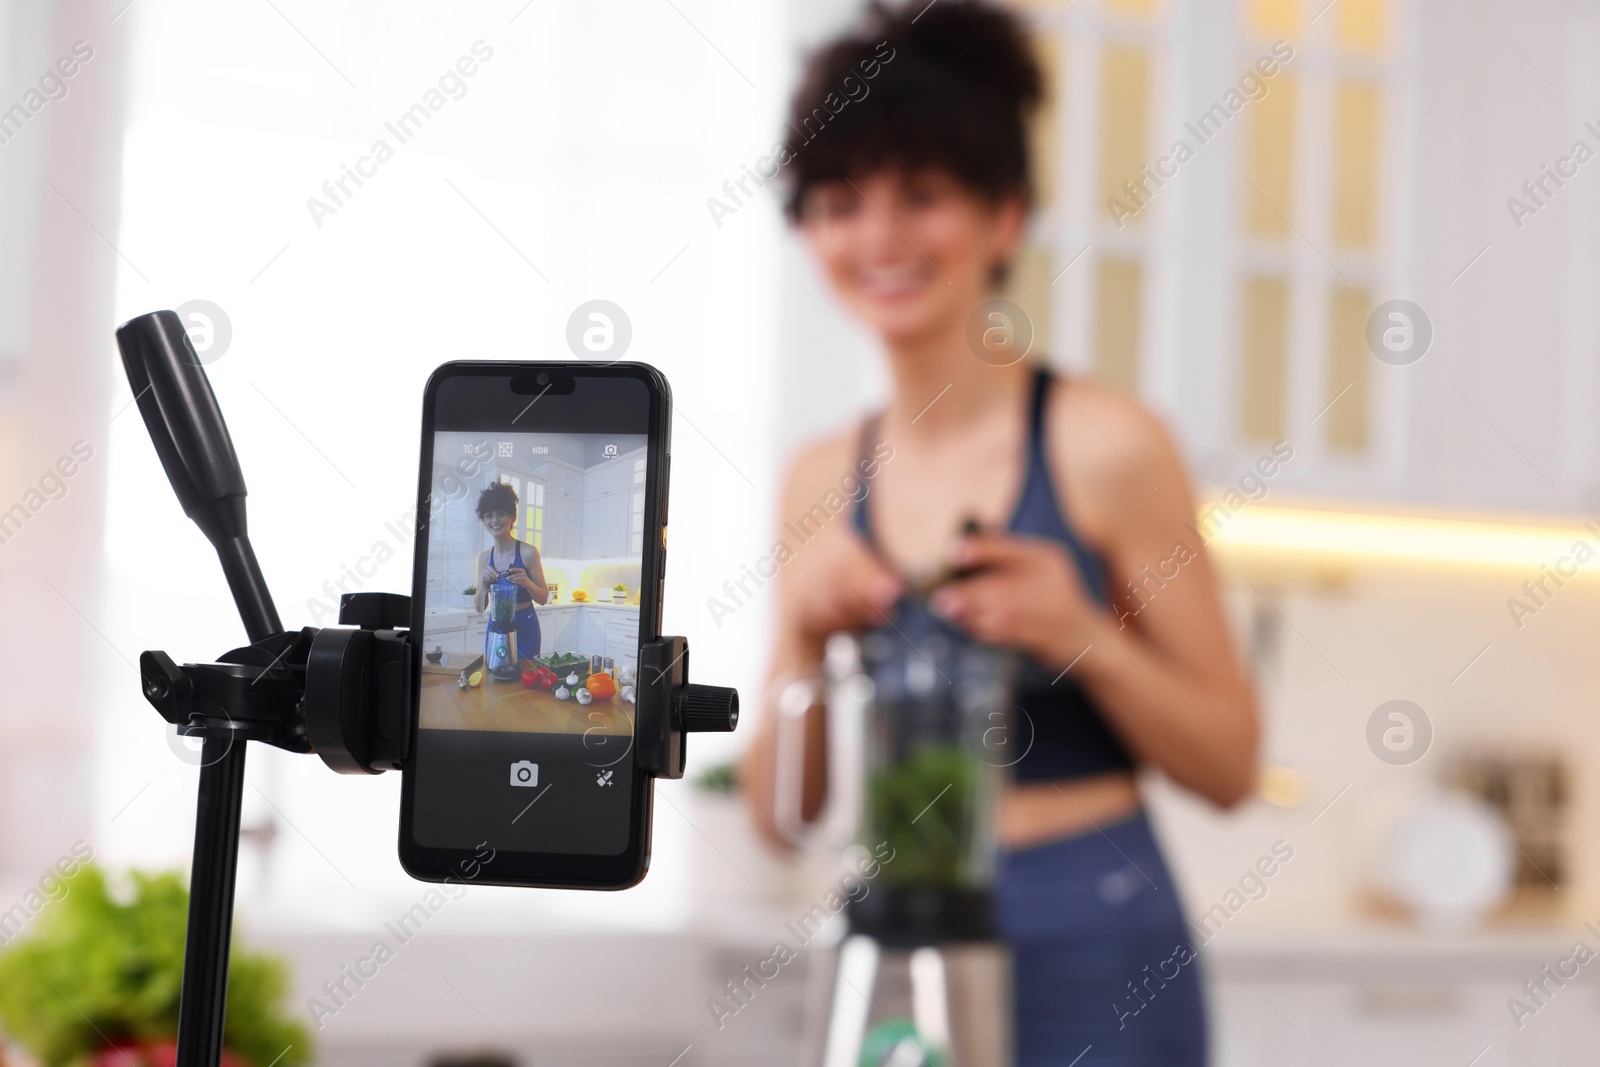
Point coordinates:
[(533, 578)]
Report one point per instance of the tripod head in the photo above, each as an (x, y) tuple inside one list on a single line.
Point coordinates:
[(345, 693)]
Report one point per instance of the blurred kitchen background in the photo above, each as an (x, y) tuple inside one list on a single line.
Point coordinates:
[(1427, 541), (580, 502)]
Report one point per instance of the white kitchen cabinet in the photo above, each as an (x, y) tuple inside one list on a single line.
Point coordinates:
[(605, 527), (563, 515), (457, 639), (563, 480), (562, 522), (452, 640), (622, 637), (558, 629), (1384, 998), (591, 631), (609, 478), (608, 495), (572, 528)]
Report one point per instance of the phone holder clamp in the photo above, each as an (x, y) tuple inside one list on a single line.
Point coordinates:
[(670, 706), (345, 692), (341, 692)]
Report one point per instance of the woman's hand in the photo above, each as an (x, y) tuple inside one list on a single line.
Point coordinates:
[(837, 583), (1027, 594), (489, 576), (519, 577)]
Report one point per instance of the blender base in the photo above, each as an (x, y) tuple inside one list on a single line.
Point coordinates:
[(936, 1005), (910, 917)]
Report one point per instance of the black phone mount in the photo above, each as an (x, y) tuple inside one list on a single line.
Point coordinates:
[(341, 692)]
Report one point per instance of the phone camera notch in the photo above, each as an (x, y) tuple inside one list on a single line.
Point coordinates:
[(538, 383)]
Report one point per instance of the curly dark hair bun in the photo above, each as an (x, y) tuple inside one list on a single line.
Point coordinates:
[(949, 85), (497, 499), (974, 41)]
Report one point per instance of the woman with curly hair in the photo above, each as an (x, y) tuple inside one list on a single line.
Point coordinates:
[(516, 560), (907, 174)]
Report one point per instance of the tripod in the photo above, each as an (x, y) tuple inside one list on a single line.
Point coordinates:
[(344, 693)]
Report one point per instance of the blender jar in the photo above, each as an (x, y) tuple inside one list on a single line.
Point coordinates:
[(919, 740), (500, 639)]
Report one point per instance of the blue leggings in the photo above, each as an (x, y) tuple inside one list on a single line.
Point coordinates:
[(1103, 960), (527, 620)]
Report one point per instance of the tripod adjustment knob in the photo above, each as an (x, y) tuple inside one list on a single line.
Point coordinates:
[(708, 709), (166, 686)]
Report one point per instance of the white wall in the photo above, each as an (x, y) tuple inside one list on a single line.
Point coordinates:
[(59, 184), (576, 166)]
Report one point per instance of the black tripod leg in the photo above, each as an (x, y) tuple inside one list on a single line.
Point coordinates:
[(203, 1003)]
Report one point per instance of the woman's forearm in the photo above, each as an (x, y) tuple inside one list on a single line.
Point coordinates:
[(1199, 729)]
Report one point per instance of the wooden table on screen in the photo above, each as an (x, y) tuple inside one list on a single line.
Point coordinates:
[(509, 707)]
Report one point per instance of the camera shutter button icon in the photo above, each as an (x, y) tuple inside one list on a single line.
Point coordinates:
[(525, 773)]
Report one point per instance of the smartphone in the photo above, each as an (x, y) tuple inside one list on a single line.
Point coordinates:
[(539, 556)]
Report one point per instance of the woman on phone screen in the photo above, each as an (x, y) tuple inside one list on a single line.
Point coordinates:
[(913, 198), (517, 560)]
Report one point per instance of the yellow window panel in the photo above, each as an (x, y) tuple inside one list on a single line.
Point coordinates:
[(1359, 25), (1124, 118), (1355, 164), (1274, 18), (1028, 286), (1264, 359), (1043, 135), (1269, 160), (1137, 8), (1346, 422), (1116, 322)]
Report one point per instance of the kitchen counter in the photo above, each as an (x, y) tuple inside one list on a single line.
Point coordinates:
[(468, 612), (1363, 950), (511, 707)]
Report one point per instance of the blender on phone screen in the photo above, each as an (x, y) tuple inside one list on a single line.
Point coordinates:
[(500, 638)]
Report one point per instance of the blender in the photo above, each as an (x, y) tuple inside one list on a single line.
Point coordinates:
[(919, 738), (500, 638)]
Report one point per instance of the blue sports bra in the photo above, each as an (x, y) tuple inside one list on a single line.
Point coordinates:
[(524, 598), (1058, 726)]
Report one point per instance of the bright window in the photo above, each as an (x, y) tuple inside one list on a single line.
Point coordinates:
[(1311, 225), (534, 506), (1124, 125), (480, 236), (1265, 358), (1116, 349)]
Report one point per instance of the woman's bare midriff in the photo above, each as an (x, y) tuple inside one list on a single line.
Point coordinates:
[(1031, 812)]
